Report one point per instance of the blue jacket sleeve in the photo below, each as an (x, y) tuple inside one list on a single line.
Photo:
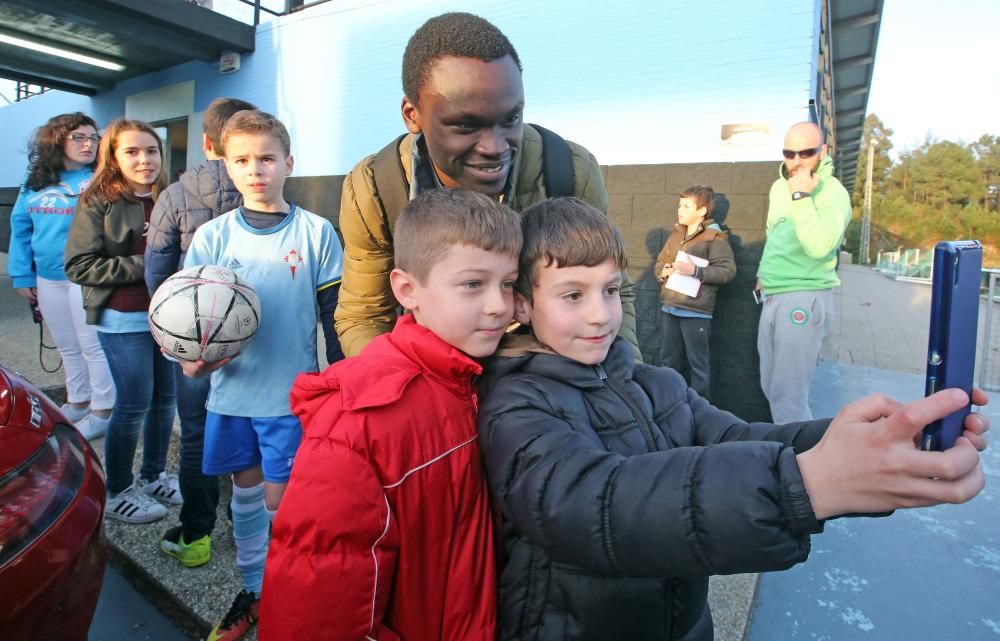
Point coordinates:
[(21, 259), (163, 243)]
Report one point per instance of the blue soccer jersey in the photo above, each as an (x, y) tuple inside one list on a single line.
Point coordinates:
[(286, 264)]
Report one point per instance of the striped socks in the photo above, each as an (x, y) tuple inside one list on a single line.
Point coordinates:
[(250, 529)]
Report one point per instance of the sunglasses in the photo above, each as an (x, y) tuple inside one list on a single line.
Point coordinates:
[(94, 138), (802, 153)]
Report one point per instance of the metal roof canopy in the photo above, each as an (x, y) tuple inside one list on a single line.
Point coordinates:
[(140, 36), (855, 26)]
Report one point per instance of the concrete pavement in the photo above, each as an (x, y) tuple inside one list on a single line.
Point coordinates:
[(123, 615), (929, 574), (880, 323), (19, 336)]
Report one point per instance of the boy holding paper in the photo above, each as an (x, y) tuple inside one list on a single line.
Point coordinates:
[(693, 263)]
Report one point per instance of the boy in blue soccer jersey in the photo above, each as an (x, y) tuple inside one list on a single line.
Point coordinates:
[(293, 259)]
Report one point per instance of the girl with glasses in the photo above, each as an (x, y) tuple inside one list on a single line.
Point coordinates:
[(61, 156), (104, 254)]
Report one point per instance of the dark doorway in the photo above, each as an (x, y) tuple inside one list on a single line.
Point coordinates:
[(175, 146)]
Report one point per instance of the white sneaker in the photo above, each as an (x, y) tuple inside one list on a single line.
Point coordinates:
[(133, 506), (92, 426), (74, 415), (165, 489)]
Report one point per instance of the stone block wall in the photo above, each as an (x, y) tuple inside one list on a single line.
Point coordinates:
[(642, 201), (318, 194)]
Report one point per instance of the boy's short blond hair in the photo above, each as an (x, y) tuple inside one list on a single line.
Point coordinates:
[(436, 220), (255, 123), (567, 232)]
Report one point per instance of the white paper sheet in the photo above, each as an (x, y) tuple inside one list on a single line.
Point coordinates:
[(685, 284)]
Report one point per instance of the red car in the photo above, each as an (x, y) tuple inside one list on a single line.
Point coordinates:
[(52, 547)]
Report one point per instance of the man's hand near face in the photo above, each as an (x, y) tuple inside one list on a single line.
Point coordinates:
[(803, 180)]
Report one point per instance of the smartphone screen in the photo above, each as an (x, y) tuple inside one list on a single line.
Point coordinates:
[(951, 350)]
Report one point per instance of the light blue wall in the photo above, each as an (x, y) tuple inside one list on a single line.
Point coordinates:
[(635, 81), (18, 120)]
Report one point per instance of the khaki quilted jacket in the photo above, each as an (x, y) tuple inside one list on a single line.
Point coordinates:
[(367, 307)]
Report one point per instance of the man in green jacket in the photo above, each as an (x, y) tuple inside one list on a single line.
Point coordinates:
[(462, 106), (808, 213)]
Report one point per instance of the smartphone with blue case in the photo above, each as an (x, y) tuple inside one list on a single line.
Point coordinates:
[(951, 351)]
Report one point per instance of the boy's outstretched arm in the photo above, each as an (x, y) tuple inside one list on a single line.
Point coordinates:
[(333, 551), (733, 507), (868, 460)]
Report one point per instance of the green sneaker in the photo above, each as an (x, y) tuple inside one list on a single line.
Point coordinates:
[(189, 554)]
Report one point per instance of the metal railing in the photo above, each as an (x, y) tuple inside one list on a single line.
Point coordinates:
[(249, 11), (904, 263), (989, 349), (26, 90)]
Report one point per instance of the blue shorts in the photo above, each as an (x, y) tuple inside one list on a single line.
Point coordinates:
[(236, 443)]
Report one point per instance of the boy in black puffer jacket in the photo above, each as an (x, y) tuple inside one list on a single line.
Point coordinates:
[(622, 490)]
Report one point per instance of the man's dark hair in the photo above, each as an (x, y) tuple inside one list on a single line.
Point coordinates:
[(462, 35), (702, 196), (219, 111)]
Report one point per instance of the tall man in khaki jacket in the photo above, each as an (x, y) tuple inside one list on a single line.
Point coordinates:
[(462, 106)]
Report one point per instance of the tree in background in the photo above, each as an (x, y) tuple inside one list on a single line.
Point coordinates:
[(987, 153), (941, 190), (944, 173), (874, 129)]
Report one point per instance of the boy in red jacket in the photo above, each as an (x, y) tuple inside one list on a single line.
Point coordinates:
[(384, 531)]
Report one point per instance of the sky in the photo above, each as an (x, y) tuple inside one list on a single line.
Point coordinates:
[(936, 71)]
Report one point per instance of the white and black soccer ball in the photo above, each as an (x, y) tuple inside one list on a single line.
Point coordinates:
[(205, 312)]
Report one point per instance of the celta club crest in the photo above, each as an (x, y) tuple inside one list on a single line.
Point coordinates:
[(293, 260)]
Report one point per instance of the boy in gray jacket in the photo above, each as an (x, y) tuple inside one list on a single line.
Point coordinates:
[(202, 193), (622, 490)]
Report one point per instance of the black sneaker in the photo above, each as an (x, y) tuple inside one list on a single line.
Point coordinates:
[(237, 622)]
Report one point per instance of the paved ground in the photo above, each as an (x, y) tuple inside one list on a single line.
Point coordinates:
[(930, 574), (124, 615), (865, 577), (918, 575), (883, 324), (880, 323)]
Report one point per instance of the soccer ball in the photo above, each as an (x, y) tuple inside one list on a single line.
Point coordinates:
[(205, 312)]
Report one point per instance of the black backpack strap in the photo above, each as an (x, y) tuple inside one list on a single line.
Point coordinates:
[(557, 164), (390, 182)]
